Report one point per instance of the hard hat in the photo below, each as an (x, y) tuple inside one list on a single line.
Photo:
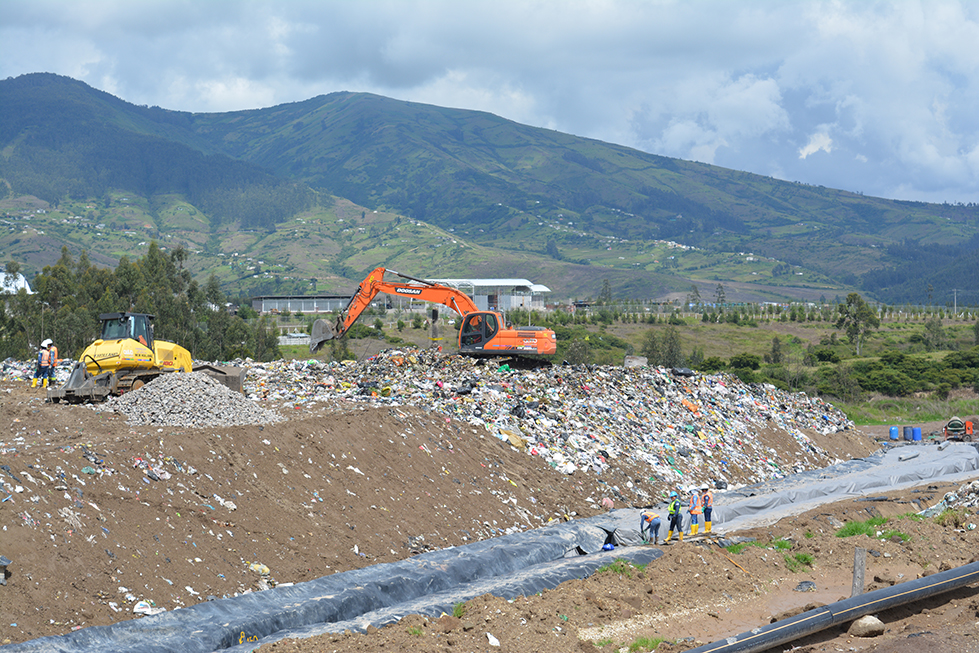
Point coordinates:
[(673, 495), (47, 343)]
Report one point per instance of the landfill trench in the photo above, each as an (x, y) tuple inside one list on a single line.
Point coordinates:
[(139, 507)]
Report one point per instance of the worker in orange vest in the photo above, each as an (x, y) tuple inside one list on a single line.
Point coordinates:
[(707, 503), (52, 359), (695, 510), (652, 519), (43, 363)]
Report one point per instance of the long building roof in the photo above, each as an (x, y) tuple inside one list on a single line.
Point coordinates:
[(494, 283)]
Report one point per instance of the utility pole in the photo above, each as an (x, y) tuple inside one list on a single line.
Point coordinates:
[(955, 301)]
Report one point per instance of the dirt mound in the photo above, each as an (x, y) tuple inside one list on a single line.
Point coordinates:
[(99, 515)]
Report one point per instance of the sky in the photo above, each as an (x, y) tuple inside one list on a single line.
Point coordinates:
[(880, 98)]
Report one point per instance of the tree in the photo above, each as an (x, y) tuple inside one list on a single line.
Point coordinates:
[(693, 297), (552, 249), (671, 352), (577, 352), (935, 336), (605, 298), (650, 347), (775, 356), (857, 318), (745, 361), (719, 295), (264, 341)]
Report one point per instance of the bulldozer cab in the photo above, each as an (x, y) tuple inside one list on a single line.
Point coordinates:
[(477, 329), (135, 326)]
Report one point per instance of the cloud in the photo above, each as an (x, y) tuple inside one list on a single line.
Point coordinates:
[(819, 141), (884, 92)]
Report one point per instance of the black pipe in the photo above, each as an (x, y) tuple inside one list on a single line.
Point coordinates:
[(787, 630)]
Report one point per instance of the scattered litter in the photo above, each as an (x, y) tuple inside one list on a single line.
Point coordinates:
[(260, 568), (147, 608)]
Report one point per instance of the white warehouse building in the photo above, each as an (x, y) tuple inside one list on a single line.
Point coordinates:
[(500, 294), (488, 295)]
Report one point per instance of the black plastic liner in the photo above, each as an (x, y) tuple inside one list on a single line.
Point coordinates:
[(507, 566), (431, 583)]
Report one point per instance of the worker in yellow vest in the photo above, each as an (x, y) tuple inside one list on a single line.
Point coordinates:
[(676, 518)]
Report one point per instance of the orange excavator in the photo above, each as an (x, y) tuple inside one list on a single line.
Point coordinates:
[(483, 333)]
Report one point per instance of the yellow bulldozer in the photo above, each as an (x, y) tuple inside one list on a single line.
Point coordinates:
[(126, 356)]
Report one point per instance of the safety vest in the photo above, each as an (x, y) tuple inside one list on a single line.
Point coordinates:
[(695, 508), (674, 506), (45, 358), (54, 355), (649, 515), (708, 499)]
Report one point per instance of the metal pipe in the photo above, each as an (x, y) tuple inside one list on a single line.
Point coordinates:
[(787, 630)]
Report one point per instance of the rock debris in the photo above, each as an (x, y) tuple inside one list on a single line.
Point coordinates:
[(193, 399)]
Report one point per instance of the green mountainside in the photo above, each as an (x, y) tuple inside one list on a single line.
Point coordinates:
[(322, 191)]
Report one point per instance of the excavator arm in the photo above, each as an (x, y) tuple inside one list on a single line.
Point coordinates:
[(375, 284), (483, 333)]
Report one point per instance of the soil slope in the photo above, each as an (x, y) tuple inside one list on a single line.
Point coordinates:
[(99, 515)]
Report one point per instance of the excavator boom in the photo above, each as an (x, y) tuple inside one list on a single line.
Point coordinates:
[(483, 332)]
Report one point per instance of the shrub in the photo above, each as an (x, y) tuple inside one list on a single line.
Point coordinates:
[(951, 518), (798, 561), (645, 644), (620, 567)]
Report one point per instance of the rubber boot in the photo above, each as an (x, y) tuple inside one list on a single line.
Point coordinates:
[(681, 535), (669, 536), (34, 383), (44, 383), (693, 529), (706, 527)]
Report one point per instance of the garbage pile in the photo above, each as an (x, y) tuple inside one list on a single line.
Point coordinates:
[(967, 496), (193, 399), (687, 430)]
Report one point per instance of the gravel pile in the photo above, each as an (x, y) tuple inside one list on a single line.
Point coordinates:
[(193, 399)]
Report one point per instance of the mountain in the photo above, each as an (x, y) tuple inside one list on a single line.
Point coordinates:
[(566, 211)]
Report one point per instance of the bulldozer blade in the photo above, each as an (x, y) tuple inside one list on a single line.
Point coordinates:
[(233, 377), (82, 386), (321, 332)]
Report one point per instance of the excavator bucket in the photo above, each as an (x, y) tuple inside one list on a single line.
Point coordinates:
[(321, 332)]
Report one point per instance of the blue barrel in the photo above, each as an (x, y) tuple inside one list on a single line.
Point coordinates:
[(908, 434), (916, 434), (894, 433)]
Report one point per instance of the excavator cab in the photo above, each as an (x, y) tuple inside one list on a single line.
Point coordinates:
[(477, 329)]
